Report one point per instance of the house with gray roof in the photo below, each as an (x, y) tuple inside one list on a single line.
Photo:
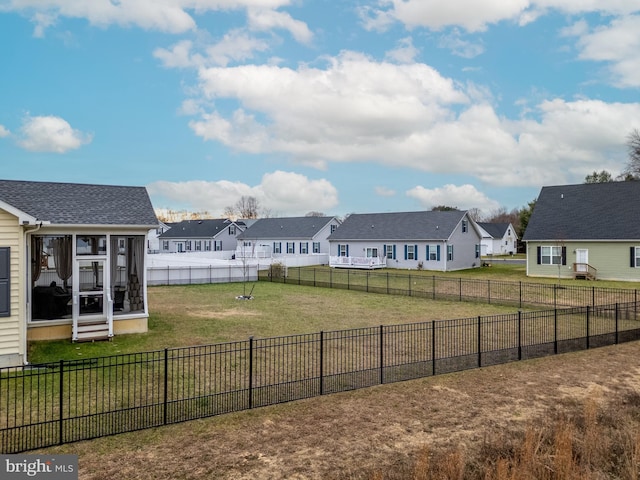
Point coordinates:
[(589, 230), (205, 235), (498, 238), (429, 240), (72, 263), (286, 236)]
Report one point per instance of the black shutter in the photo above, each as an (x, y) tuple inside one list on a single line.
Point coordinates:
[(5, 290), (632, 256), (539, 255), (564, 255)]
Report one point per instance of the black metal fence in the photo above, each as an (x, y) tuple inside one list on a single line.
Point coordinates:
[(448, 288), (68, 401)]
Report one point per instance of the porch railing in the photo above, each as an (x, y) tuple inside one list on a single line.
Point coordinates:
[(358, 262), (584, 270)]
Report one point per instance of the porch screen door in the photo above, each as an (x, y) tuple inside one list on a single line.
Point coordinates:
[(91, 288)]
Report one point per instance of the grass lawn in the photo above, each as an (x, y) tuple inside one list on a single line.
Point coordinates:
[(206, 314)]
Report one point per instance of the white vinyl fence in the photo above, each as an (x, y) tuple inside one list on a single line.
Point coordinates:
[(197, 274)]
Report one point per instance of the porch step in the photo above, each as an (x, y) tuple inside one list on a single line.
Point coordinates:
[(93, 331)]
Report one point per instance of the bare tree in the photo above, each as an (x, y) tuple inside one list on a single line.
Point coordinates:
[(632, 171), (245, 207)]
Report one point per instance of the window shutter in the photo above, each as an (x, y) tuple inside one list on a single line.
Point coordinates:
[(427, 250), (438, 252), (5, 286), (384, 251), (415, 252), (564, 255), (347, 250), (405, 252), (539, 250), (632, 257), (394, 251), (451, 252)]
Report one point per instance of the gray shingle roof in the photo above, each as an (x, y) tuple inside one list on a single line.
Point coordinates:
[(206, 228), (496, 230), (428, 225), (590, 211), (80, 204), (285, 228)]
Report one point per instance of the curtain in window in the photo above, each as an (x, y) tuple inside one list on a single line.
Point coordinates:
[(137, 257), (113, 263), (37, 244), (62, 253)]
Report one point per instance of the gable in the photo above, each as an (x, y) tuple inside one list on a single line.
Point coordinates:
[(285, 228)]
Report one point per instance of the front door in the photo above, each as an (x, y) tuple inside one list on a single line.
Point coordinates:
[(582, 260)]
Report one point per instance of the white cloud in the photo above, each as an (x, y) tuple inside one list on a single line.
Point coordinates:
[(172, 16), (50, 134), (269, 19), (4, 132), (404, 53), (384, 192), (618, 44), (462, 48), (283, 193), (357, 110), (463, 197)]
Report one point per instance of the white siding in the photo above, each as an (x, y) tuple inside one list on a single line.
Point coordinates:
[(12, 329)]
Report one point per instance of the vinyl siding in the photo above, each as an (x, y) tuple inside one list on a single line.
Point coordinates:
[(611, 259), (11, 328)]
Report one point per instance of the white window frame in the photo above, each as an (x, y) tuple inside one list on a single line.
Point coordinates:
[(342, 250), (304, 248), (550, 255), (411, 252), (291, 247), (390, 255), (277, 247), (316, 247), (372, 252)]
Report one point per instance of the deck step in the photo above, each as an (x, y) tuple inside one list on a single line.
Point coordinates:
[(92, 331)]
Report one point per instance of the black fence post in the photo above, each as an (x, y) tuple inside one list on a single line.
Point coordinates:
[(616, 323), (587, 321), (348, 279), (555, 331), (433, 347), (593, 296), (434, 287), (168, 275), (166, 387), (314, 277), (387, 283), (330, 278), (61, 416), (479, 341), (489, 291), (520, 295), (321, 362), (519, 335), (250, 372), (460, 288), (381, 354), (409, 284), (368, 280)]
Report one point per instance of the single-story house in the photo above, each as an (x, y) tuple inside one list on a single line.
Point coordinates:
[(275, 237), (72, 263), (590, 230), (498, 238), (206, 235), (430, 240)]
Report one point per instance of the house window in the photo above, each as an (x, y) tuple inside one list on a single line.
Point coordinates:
[(217, 245), (635, 257), (389, 252), (198, 245), (477, 251), (291, 247), (333, 228), (343, 250), (207, 245), (432, 253), (464, 226), (304, 247), (372, 252), (232, 229), (316, 247), (277, 247), (165, 245), (410, 251), (550, 255), (449, 252), (180, 247), (187, 245)]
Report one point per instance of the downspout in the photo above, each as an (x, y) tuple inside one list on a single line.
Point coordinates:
[(27, 290)]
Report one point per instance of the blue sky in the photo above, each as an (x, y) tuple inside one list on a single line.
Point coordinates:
[(330, 106)]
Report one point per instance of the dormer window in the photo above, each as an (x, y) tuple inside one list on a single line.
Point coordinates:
[(464, 226)]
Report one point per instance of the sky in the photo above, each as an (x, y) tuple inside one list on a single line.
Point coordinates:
[(329, 106)]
